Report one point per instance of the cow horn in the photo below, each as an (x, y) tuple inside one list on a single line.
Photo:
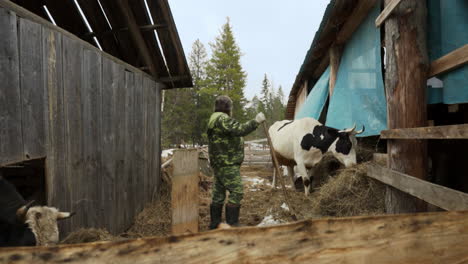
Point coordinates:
[(348, 130), (361, 131), (21, 212), (64, 215)]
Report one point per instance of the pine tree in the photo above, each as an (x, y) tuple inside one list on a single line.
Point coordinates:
[(224, 71), (202, 101)]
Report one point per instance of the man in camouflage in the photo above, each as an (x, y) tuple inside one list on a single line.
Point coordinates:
[(226, 150)]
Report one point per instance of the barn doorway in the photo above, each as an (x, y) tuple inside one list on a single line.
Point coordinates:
[(29, 179)]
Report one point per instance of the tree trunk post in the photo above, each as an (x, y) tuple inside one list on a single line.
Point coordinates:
[(405, 81)]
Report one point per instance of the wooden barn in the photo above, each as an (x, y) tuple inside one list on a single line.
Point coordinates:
[(400, 71), (80, 103)]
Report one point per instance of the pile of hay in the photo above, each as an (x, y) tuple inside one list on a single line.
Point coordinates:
[(350, 193), (86, 235), (155, 219)]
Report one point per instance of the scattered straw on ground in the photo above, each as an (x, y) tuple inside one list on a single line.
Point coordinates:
[(350, 193), (155, 219), (86, 235), (337, 192)]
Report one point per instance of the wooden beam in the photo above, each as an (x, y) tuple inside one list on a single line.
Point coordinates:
[(360, 12), (137, 37), (114, 31), (22, 12), (386, 12), (423, 238), (184, 196), (322, 66), (452, 60), (437, 195), (335, 56), (405, 86), (434, 132)]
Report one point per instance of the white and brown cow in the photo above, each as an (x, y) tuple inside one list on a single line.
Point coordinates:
[(24, 225), (304, 142)]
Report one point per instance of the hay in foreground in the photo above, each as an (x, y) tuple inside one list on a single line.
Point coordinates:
[(350, 193), (86, 235), (155, 219)]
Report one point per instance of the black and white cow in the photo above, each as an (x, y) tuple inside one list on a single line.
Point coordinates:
[(24, 225), (303, 143)]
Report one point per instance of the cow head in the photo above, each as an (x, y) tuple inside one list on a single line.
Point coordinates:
[(344, 147), (42, 221)]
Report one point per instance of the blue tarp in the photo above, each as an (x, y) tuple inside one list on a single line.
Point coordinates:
[(359, 96), (315, 101), (447, 31)]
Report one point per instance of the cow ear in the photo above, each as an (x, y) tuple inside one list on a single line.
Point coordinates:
[(64, 215), (21, 212)]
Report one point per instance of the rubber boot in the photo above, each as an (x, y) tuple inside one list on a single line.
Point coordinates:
[(216, 210), (232, 214)]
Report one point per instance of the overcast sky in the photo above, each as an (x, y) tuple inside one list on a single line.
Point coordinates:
[(274, 35)]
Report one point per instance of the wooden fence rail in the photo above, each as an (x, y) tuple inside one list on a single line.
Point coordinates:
[(414, 238), (434, 132), (437, 195)]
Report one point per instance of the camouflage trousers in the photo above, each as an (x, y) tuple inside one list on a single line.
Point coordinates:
[(227, 179)]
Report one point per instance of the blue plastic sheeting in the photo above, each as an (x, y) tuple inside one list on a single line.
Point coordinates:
[(317, 98), (447, 31), (359, 97)]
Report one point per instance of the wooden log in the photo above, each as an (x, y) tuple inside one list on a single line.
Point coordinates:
[(405, 83), (434, 132), (386, 12), (185, 191), (437, 195), (450, 61), (415, 238)]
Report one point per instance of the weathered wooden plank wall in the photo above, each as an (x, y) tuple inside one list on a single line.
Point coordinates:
[(11, 141), (97, 123), (32, 89)]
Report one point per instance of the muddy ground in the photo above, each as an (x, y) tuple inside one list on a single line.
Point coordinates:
[(337, 192)]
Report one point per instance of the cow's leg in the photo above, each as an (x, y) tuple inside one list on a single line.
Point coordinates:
[(291, 174), (305, 178)]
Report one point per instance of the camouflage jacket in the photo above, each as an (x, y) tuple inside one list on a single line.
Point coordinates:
[(225, 142)]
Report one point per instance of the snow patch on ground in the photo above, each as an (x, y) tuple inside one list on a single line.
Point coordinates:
[(167, 152), (285, 206), (269, 221)]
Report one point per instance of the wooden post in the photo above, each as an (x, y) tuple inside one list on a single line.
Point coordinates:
[(405, 82), (185, 191), (335, 56)]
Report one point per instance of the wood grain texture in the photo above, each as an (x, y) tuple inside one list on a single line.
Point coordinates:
[(405, 86), (129, 189), (108, 154), (74, 138), (88, 191), (360, 12), (32, 89), (57, 194), (185, 191), (454, 59), (139, 146), (386, 12), (440, 196), (11, 146), (434, 132), (415, 238)]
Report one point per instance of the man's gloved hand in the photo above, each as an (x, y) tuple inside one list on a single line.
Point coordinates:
[(260, 118)]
